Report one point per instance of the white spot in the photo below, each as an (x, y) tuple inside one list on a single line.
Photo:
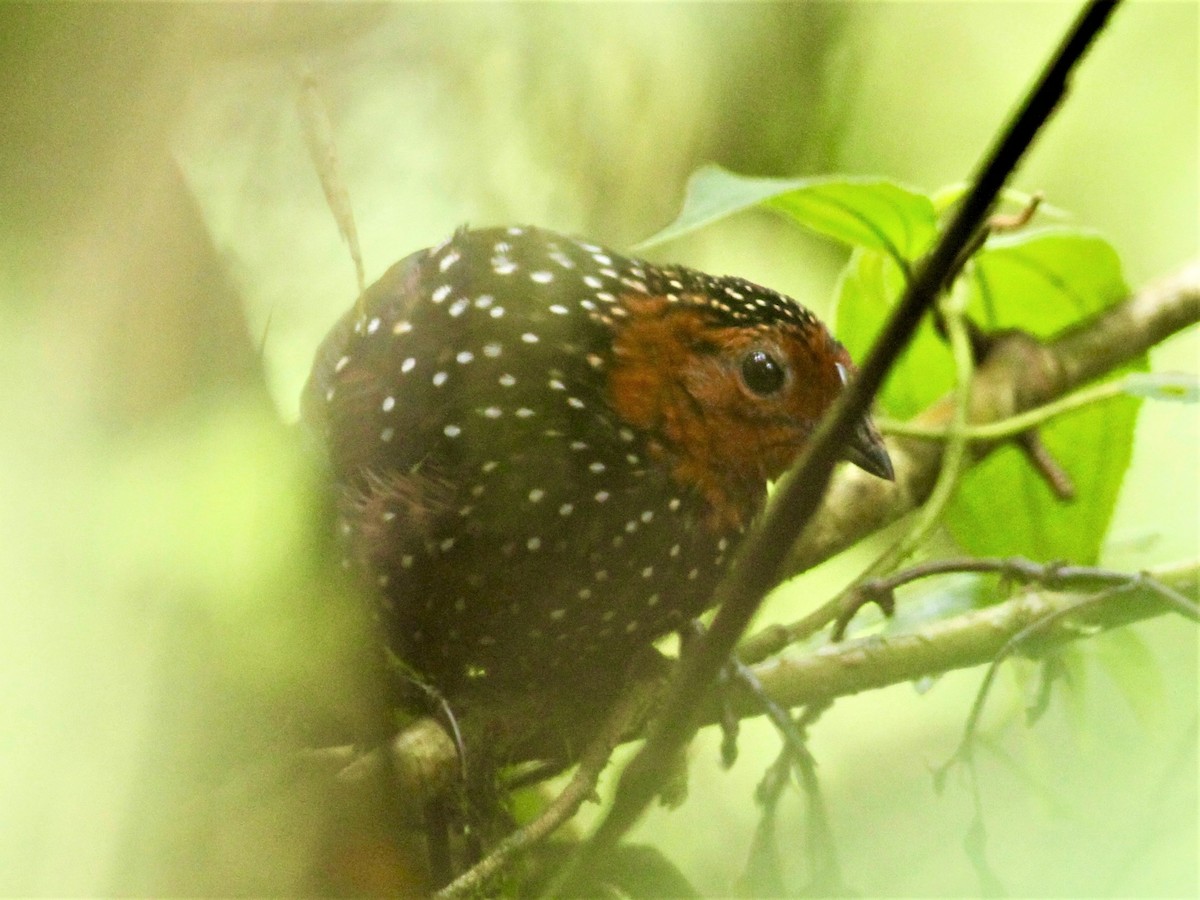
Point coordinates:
[(596, 467), (541, 277), (389, 403), (506, 380), (341, 364), (648, 572), (451, 431), (556, 385), (387, 434), (608, 615), (529, 337), (489, 466), (632, 458), (566, 509), (588, 305), (536, 495), (692, 575), (515, 231), (449, 259), (602, 259), (673, 505), (631, 526), (329, 395), (459, 306), (402, 327), (524, 412), (406, 561), (439, 378), (578, 445), (652, 600), (631, 627), (558, 614), (408, 365), (503, 266), (610, 273), (493, 412), (558, 309), (722, 545), (465, 511), (647, 516), (440, 293), (584, 594), (373, 325), (575, 402), (447, 544), (464, 357), (496, 312), (674, 551), (601, 496), (626, 435), (389, 516), (593, 282), (492, 350), (534, 543), (606, 296), (634, 284), (483, 301), (600, 574)]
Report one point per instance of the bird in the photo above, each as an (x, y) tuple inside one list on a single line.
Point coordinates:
[(544, 453)]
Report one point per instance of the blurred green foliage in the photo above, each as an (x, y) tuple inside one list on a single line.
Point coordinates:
[(168, 267)]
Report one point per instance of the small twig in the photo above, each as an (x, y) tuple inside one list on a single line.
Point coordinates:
[(1010, 647), (1055, 576), (954, 460), (318, 137), (761, 875), (1000, 223), (1014, 425), (581, 787)]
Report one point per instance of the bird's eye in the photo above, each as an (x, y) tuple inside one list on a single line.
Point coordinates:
[(762, 373)]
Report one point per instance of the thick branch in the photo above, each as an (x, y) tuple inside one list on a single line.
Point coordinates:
[(971, 639)]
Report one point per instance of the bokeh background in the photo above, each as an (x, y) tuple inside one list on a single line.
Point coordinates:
[(168, 265)]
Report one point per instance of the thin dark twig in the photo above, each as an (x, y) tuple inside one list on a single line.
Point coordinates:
[(581, 787), (1054, 575), (759, 566), (1010, 646)]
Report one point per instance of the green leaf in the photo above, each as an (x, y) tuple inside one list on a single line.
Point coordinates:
[(874, 214), (866, 291), (715, 193), (1041, 282), (870, 213)]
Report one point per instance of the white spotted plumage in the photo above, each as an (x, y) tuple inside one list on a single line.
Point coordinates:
[(467, 400)]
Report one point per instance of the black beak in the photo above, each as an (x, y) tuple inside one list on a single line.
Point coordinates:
[(866, 450)]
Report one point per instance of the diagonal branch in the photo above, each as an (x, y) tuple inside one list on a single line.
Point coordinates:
[(425, 757), (759, 566)]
